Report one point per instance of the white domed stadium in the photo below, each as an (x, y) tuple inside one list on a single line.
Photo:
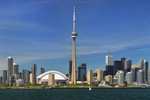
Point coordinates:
[(59, 78)]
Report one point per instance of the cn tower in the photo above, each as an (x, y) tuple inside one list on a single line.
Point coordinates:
[(74, 36)]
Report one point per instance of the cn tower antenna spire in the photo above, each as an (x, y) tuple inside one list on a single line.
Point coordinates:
[(74, 14)]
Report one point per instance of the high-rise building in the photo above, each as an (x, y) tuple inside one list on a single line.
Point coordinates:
[(141, 63), (90, 76), (42, 70), (128, 64), (109, 60), (120, 77), (25, 75), (123, 62), (145, 69), (20, 75), (9, 68), (109, 70), (51, 79), (108, 78), (1, 78), (82, 72), (12, 79), (15, 68), (134, 72), (70, 68), (32, 78), (149, 75), (117, 66), (4, 75), (99, 75), (34, 70), (129, 78), (140, 77), (74, 36)]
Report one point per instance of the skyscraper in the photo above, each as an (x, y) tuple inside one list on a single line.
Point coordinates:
[(141, 63), (1, 78), (70, 69), (82, 72), (34, 70), (145, 69), (25, 75), (4, 75), (109, 60), (42, 70), (15, 68), (128, 64), (117, 66), (108, 78), (74, 36), (90, 76), (99, 74), (9, 68), (123, 62), (32, 78)]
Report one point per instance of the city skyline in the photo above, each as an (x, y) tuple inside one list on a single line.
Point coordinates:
[(39, 33)]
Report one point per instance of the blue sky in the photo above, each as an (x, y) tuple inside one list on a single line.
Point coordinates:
[(39, 32)]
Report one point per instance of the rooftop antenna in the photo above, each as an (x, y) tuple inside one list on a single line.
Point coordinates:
[(109, 52)]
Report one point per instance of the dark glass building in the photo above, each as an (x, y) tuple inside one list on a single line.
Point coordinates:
[(42, 70), (105, 73), (82, 72), (134, 72), (70, 69), (128, 64), (26, 75), (123, 62), (109, 70), (34, 70), (4, 75), (117, 66), (145, 69)]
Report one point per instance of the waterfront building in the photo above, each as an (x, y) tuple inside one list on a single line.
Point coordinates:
[(34, 70), (42, 70), (134, 66), (32, 78), (109, 70), (145, 69), (25, 75), (4, 76), (141, 63), (9, 68), (123, 62), (140, 77), (90, 76), (134, 72), (109, 60), (82, 72), (60, 78), (15, 68), (51, 79), (19, 82), (117, 66), (128, 64), (70, 68), (108, 78), (12, 79), (99, 75), (129, 78), (1, 78), (149, 75), (120, 77), (115, 80), (74, 36)]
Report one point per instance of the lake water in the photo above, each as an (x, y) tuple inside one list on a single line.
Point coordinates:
[(75, 94)]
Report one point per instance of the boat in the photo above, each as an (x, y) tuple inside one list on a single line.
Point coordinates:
[(89, 88)]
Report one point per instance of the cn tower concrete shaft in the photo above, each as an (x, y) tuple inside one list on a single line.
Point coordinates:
[(73, 78)]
